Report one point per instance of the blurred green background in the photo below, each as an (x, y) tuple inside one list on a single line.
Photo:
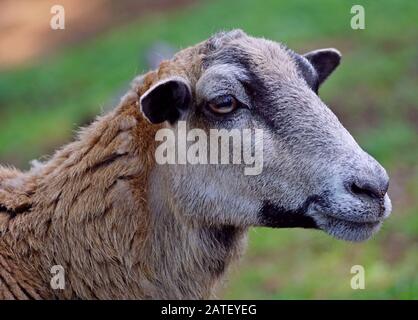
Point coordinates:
[(46, 96)]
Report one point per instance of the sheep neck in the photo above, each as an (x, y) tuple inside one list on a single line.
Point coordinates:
[(188, 257)]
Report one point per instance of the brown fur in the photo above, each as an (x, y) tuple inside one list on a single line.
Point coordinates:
[(86, 209), (122, 226)]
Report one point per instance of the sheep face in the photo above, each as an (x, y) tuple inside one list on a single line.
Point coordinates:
[(314, 174)]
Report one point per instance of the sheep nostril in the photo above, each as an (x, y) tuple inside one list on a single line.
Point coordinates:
[(367, 190)]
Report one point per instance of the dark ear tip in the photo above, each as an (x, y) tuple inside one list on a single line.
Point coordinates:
[(334, 51), (330, 53), (324, 61), (334, 54)]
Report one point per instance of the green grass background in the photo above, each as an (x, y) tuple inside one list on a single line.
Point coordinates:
[(374, 93)]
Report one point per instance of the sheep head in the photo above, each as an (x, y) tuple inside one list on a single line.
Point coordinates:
[(314, 174)]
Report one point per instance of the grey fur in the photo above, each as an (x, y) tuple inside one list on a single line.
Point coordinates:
[(310, 155)]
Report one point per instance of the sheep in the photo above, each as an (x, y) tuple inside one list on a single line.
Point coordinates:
[(123, 227)]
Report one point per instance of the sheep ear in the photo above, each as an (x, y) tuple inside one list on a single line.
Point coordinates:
[(165, 100), (324, 61)]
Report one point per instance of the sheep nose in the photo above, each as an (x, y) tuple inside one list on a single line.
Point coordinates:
[(370, 182), (371, 188)]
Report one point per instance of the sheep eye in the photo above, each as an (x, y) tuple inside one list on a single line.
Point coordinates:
[(223, 104)]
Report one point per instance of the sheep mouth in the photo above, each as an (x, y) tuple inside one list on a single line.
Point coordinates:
[(347, 229), (309, 216), (352, 221), (348, 225)]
